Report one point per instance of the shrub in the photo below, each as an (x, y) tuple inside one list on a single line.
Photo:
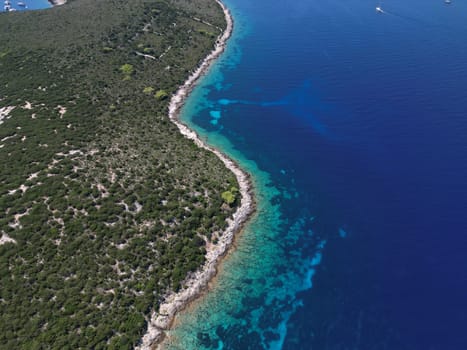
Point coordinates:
[(127, 69), (228, 197), (161, 95)]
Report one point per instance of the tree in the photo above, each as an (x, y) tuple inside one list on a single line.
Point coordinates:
[(161, 95), (127, 70), (230, 196)]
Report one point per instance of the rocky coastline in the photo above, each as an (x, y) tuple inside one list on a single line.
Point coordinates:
[(162, 319)]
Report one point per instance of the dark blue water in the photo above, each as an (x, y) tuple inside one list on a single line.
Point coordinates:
[(358, 121)]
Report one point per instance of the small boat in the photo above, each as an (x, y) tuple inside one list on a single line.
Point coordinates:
[(447, 2), (21, 4), (379, 10)]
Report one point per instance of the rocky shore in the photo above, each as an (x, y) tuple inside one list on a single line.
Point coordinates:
[(57, 2), (162, 319)]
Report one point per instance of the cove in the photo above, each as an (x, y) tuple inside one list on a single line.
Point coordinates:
[(29, 5)]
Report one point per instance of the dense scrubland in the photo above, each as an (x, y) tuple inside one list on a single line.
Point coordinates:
[(104, 206)]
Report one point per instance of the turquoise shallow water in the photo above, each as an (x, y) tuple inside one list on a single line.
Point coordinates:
[(265, 270), (256, 293)]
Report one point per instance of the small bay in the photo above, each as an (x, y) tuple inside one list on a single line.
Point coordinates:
[(29, 5)]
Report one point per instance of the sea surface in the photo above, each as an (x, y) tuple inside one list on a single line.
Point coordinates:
[(353, 124), (28, 5)]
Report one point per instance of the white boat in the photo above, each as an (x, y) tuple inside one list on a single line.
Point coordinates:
[(21, 4), (379, 9), (447, 1)]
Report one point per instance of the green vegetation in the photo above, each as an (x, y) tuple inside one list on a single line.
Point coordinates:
[(161, 95), (148, 90), (108, 205), (127, 70), (230, 196), (207, 33)]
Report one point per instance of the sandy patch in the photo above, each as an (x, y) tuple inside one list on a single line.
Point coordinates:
[(27, 105), (5, 113), (6, 239)]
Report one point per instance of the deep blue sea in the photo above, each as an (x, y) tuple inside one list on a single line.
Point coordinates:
[(354, 126)]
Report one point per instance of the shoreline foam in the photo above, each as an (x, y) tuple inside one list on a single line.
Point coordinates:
[(196, 284)]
